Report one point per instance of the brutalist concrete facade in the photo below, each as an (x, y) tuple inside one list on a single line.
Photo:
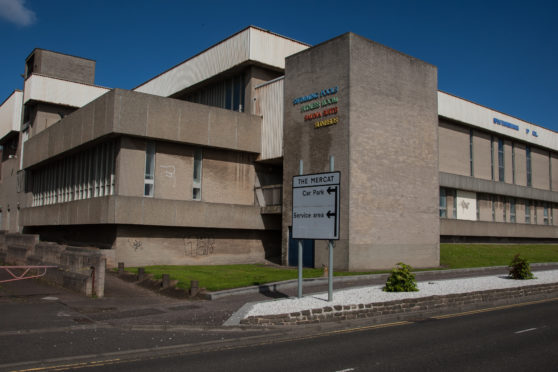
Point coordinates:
[(418, 166), (382, 134)]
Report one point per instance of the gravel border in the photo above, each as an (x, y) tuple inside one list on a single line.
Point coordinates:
[(374, 294)]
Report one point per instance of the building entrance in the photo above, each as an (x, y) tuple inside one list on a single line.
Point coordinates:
[(307, 251)]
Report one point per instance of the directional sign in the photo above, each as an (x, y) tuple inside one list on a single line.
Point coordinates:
[(316, 206)]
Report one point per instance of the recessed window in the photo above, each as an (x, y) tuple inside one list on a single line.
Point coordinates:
[(528, 156), (512, 210), (471, 152), (197, 176), (501, 169), (443, 203), (149, 169)]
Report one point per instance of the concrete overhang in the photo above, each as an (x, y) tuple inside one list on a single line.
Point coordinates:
[(10, 115), (475, 115), (453, 227), (251, 45), (39, 88), (459, 182), (148, 211), (122, 112)]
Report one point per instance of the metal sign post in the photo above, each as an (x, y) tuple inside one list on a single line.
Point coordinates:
[(330, 246), (316, 213), (300, 171)]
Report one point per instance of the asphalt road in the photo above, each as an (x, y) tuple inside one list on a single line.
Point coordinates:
[(518, 338)]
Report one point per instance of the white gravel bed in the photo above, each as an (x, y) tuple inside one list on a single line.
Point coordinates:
[(372, 294)]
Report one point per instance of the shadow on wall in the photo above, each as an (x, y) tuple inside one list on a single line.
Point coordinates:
[(100, 236)]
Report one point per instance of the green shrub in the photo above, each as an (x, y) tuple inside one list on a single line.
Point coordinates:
[(401, 279), (519, 268)]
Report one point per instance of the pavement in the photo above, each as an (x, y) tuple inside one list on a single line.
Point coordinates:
[(30, 305)]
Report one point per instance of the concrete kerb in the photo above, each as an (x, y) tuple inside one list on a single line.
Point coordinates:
[(420, 276), (402, 310)]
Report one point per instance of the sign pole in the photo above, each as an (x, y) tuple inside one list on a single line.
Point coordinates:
[(330, 247), (300, 171)]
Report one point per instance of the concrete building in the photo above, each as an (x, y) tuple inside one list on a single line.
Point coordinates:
[(195, 166)]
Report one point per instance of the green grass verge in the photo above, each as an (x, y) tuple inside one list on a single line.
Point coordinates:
[(215, 278), (456, 256), (452, 256)]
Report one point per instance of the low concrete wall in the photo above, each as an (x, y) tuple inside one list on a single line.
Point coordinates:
[(410, 308), (80, 269)]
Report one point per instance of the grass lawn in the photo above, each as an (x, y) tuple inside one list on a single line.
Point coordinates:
[(452, 256), (215, 278), (456, 256)]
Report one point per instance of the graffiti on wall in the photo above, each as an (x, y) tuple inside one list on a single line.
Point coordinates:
[(199, 246), (169, 172), (136, 244)]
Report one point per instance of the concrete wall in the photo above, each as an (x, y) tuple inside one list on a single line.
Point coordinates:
[(384, 144), (485, 207), (321, 67), (540, 168), (10, 113), (394, 198), (148, 211), (520, 164), (491, 229), (12, 192), (63, 66), (146, 245), (79, 268), (554, 170), (227, 176), (122, 112), (496, 188), (508, 162), (466, 205), (44, 115), (453, 149), (255, 76), (481, 155)]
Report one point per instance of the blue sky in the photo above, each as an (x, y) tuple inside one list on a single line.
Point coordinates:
[(501, 54)]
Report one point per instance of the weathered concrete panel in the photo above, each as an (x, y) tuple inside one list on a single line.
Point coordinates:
[(554, 170), (508, 162), (130, 180), (453, 150), (481, 155), (227, 177), (520, 164), (491, 229), (121, 112), (455, 181), (145, 245), (63, 66), (540, 168), (392, 96), (173, 171)]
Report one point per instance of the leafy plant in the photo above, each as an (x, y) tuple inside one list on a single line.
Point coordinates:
[(401, 279), (519, 268)]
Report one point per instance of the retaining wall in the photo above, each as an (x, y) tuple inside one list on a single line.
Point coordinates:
[(409, 308), (78, 268)]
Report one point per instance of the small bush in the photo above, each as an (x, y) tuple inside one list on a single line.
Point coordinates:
[(401, 280), (519, 268)]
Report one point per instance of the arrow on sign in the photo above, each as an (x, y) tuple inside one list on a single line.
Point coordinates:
[(331, 189), (330, 214)]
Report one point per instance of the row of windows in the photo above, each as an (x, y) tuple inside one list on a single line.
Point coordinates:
[(500, 173), (227, 94), (84, 175), (501, 208), (149, 179)]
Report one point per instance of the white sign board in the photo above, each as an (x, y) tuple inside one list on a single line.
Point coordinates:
[(316, 206)]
